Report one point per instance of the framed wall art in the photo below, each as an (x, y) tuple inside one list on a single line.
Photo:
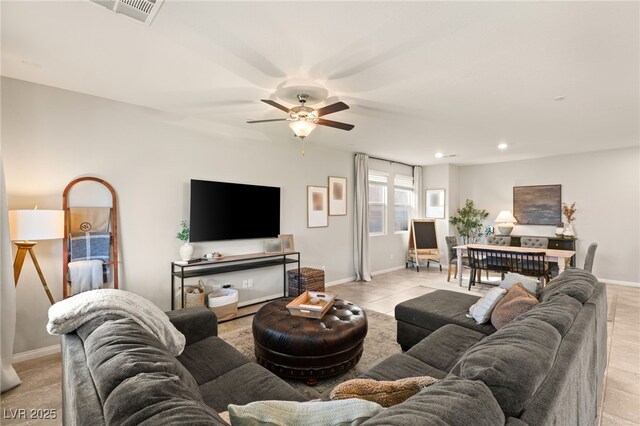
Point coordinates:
[(317, 207), (538, 204), (434, 203), (287, 242), (337, 196)]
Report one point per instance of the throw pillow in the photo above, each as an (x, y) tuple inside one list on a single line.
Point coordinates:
[(517, 301), (532, 285), (342, 412), (385, 393), (481, 311)]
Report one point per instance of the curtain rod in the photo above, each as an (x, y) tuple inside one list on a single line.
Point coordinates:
[(391, 161)]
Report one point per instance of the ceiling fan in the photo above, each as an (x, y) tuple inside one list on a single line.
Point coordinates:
[(303, 119)]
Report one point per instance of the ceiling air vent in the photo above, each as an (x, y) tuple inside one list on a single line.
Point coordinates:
[(140, 10)]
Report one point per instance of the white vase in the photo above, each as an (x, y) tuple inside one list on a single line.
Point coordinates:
[(568, 232), (186, 251)]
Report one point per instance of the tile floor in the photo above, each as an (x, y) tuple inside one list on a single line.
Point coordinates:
[(41, 377)]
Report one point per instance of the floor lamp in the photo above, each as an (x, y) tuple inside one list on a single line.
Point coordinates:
[(28, 226)]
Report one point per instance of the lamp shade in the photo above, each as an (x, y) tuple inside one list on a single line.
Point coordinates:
[(505, 216), (36, 225), (302, 128)]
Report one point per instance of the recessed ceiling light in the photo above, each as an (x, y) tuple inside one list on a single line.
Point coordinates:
[(559, 98), (503, 146), (439, 155)]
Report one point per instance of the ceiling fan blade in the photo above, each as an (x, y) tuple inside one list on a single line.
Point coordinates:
[(336, 124), (266, 121), (330, 109), (275, 104)]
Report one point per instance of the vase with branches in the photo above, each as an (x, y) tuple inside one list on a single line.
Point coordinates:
[(468, 222), (569, 211)]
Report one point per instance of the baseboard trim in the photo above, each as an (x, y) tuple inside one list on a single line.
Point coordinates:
[(618, 282), (36, 353), (342, 281), (384, 271)]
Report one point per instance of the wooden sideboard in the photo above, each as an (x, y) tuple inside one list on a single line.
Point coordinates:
[(555, 243)]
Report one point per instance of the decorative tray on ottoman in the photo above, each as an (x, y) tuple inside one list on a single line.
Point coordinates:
[(302, 305)]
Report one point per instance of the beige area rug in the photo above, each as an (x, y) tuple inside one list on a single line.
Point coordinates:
[(379, 344)]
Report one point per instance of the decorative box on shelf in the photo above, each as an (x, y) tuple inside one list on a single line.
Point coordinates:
[(311, 304)]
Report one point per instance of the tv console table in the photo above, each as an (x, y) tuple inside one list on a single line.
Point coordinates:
[(242, 262)]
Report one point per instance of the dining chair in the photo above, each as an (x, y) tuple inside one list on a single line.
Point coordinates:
[(591, 254), (452, 254), (498, 240), (534, 242)]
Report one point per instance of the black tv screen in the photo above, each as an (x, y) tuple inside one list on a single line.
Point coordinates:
[(233, 211)]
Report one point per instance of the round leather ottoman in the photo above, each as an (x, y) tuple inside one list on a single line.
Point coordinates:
[(307, 348)]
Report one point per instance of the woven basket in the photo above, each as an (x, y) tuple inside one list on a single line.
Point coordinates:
[(310, 280), (193, 295)]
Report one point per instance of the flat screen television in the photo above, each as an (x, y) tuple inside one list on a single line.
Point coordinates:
[(233, 211)]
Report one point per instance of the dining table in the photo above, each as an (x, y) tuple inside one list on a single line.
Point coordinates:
[(562, 257)]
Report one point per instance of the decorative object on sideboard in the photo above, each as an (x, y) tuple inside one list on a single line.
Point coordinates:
[(337, 196), (468, 222), (537, 205), (194, 295), (434, 203), (287, 242), (273, 245), (569, 211), (560, 229), (186, 249), (28, 226), (505, 222), (317, 207)]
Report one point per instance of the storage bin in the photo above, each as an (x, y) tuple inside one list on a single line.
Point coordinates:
[(223, 303), (193, 295), (310, 280)]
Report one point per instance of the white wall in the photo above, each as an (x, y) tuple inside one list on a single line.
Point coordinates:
[(51, 136), (605, 186)]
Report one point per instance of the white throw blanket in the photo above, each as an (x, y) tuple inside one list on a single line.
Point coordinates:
[(69, 314), (85, 275)]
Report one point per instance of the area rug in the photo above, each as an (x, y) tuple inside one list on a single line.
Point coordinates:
[(379, 344)]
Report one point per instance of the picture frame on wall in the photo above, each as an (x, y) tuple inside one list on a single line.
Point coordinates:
[(537, 204), (287, 242), (317, 207), (435, 203), (337, 196)]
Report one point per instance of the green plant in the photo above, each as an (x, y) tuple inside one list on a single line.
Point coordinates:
[(468, 222), (183, 235)]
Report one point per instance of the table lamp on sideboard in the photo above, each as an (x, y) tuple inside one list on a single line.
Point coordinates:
[(28, 226), (505, 222)]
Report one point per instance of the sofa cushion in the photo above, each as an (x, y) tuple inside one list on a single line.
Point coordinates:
[(444, 347), (384, 392), (401, 366), (157, 399), (439, 308), (452, 401), (247, 383), (560, 312), (120, 349), (209, 358), (517, 301), (573, 282), (513, 362), (284, 413)]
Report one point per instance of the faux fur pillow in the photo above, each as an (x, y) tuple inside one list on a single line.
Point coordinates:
[(385, 393), (517, 301)]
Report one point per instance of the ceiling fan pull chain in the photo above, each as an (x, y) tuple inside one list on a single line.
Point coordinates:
[(302, 150)]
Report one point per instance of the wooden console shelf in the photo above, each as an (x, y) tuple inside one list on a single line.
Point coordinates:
[(227, 264)]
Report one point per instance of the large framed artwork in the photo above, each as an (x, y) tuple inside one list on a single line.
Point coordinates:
[(317, 207), (537, 205), (434, 201), (337, 196)]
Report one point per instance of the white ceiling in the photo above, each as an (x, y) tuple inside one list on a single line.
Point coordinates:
[(420, 77)]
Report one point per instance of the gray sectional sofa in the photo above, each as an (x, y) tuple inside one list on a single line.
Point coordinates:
[(545, 367)]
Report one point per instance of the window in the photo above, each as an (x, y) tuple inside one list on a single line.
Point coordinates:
[(377, 203), (402, 202)]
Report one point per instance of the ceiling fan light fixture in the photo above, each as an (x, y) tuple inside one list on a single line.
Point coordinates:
[(302, 128)]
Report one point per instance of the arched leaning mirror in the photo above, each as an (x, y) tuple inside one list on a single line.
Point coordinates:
[(90, 250)]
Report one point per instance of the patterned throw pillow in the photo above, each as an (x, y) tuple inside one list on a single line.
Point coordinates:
[(385, 393), (482, 309), (283, 413), (517, 301)]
